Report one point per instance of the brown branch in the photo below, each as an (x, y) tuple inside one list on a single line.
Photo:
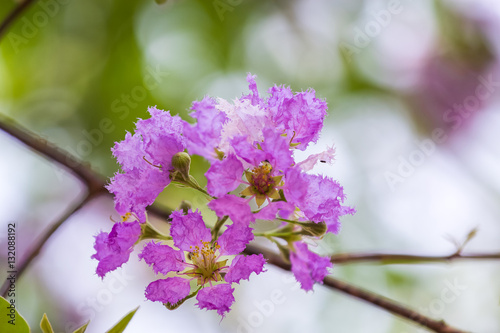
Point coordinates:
[(96, 186), (35, 249), (383, 302), (13, 15), (50, 151), (388, 258)]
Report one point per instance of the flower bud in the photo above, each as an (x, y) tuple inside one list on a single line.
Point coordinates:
[(181, 163), (313, 229)]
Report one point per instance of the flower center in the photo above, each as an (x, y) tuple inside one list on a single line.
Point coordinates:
[(261, 179), (262, 183), (207, 268)]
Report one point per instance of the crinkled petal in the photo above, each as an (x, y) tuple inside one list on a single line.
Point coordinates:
[(253, 97), (243, 266), (277, 149), (235, 207), (155, 142), (170, 290), (243, 119), (319, 198), (136, 189), (219, 297), (247, 151), (295, 186), (130, 152), (308, 267), (269, 211), (326, 156), (234, 239), (204, 136), (188, 230), (161, 134), (301, 115), (162, 258), (113, 249), (224, 176)]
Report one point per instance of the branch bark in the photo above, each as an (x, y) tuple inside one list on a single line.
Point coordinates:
[(35, 249), (391, 258), (13, 15), (378, 300)]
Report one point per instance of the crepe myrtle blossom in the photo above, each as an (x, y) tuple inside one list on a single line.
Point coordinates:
[(146, 160), (258, 152), (202, 260), (250, 143), (299, 116), (308, 267), (113, 249)]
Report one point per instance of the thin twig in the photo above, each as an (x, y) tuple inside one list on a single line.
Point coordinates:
[(380, 301), (391, 258), (34, 250), (13, 15)]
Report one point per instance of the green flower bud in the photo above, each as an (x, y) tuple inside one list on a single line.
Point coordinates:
[(181, 163), (313, 229)]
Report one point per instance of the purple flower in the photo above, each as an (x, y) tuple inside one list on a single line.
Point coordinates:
[(224, 176), (146, 159), (204, 136), (319, 198), (188, 230), (219, 297), (198, 258), (235, 239), (235, 207), (243, 119), (308, 267), (113, 249), (264, 161), (253, 97), (300, 115), (170, 290), (242, 267), (269, 212)]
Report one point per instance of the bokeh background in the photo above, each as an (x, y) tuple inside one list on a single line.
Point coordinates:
[(413, 95)]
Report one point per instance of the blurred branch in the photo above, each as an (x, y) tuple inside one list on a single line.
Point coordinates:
[(96, 187), (34, 250), (93, 180), (383, 302), (388, 258), (13, 15)]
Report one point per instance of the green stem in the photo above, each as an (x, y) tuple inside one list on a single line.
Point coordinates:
[(192, 183), (217, 226), (277, 234), (150, 232)]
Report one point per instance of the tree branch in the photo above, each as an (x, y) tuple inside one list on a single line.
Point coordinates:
[(13, 15), (96, 186), (388, 258), (383, 302), (93, 180), (35, 249)]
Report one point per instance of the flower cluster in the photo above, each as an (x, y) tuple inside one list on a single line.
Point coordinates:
[(253, 174)]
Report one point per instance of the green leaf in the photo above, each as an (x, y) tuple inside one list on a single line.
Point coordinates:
[(19, 325), (45, 325), (122, 324), (83, 328)]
